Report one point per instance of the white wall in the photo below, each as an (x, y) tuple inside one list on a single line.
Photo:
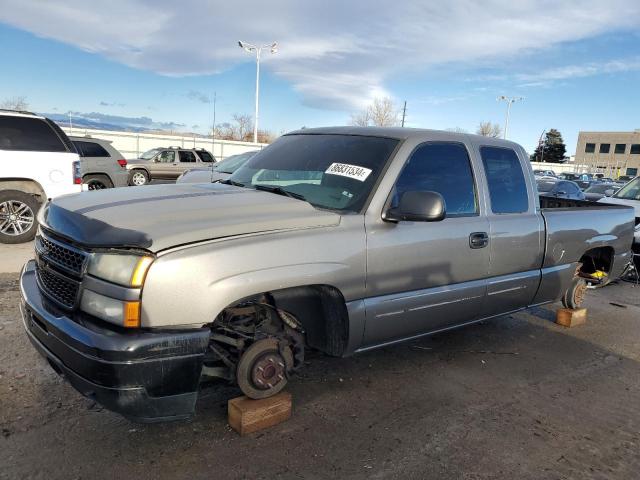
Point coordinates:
[(560, 167), (132, 144)]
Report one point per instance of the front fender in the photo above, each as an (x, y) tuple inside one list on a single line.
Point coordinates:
[(193, 285)]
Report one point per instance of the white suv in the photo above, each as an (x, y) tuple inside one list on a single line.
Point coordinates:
[(37, 162)]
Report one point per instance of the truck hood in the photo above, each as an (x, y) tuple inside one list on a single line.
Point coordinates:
[(157, 217)]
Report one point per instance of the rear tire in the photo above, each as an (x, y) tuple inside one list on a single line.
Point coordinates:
[(138, 178), (574, 296), (97, 182), (18, 212)]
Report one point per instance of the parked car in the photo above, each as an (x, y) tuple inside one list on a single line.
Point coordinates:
[(220, 170), (625, 178), (630, 195), (600, 190), (38, 162), (166, 164), (560, 189), (339, 239), (544, 173), (101, 165)]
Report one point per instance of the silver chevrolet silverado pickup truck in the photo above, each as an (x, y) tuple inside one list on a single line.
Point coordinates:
[(336, 239)]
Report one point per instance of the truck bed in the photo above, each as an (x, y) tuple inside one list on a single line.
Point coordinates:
[(573, 226)]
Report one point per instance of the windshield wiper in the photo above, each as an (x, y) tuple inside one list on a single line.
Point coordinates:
[(279, 191), (231, 182)]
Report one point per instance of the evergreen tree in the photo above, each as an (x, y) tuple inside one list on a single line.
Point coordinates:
[(552, 150)]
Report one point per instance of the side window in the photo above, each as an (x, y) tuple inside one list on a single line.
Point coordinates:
[(444, 168), (90, 149), (205, 156), (507, 187), (167, 156), (28, 134), (187, 156), (590, 148)]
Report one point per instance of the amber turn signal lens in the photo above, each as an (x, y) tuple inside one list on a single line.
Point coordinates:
[(131, 314)]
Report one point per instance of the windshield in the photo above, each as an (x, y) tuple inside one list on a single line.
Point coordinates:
[(546, 186), (232, 163), (149, 154), (631, 191), (329, 171)]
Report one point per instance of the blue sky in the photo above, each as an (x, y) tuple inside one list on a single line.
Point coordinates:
[(577, 63)]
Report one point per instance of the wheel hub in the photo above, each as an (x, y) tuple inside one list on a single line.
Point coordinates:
[(268, 371), (579, 294), (15, 217)]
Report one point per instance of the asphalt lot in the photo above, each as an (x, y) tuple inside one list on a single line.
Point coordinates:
[(518, 397), (13, 257)]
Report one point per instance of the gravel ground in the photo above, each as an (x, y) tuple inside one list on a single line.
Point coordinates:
[(517, 397)]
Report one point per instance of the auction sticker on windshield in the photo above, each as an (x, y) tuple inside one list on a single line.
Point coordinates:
[(350, 171)]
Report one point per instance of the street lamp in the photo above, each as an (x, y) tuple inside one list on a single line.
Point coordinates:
[(510, 101), (247, 47)]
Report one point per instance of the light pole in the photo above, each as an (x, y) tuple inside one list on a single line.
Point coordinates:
[(258, 49), (510, 101)]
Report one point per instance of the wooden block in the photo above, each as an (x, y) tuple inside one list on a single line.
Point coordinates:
[(568, 317), (248, 416)]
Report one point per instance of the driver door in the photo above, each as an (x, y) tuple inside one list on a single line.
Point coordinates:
[(426, 276), (164, 164)]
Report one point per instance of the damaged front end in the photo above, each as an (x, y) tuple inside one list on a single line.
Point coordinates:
[(256, 346)]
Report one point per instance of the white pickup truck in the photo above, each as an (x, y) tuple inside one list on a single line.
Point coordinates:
[(37, 162)]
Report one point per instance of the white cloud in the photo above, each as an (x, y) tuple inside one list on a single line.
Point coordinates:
[(336, 54), (590, 69)]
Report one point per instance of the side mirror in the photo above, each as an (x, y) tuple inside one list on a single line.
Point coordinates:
[(608, 193), (418, 207)]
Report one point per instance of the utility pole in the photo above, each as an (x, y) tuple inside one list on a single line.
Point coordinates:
[(510, 101), (258, 50), (213, 128), (404, 112)]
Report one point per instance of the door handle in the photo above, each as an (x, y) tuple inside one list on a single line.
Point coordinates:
[(478, 239)]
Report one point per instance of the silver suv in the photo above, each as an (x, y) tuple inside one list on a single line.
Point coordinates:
[(166, 164), (102, 166)]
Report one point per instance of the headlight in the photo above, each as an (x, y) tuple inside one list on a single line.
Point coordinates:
[(125, 270), (125, 314)]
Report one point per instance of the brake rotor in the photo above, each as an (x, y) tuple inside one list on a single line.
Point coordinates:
[(579, 293), (263, 368)]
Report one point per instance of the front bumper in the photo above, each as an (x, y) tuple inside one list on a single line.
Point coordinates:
[(144, 375)]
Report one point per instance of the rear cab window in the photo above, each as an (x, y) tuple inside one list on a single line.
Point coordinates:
[(29, 134), (505, 179)]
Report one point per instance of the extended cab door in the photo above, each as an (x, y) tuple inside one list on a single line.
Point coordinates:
[(426, 276), (516, 228)]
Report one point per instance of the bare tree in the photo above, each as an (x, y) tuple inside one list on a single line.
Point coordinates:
[(243, 126), (15, 103), (381, 113), (456, 130), (488, 129)]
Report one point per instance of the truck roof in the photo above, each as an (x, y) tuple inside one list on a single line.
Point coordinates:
[(400, 133), (18, 113)]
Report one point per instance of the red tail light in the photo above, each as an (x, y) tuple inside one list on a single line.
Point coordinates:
[(122, 162), (77, 176)]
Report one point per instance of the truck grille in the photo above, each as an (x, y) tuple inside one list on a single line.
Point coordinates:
[(66, 257), (59, 269), (59, 289)]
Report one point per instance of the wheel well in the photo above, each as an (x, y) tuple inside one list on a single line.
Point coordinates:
[(600, 258), (322, 311), (23, 184)]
